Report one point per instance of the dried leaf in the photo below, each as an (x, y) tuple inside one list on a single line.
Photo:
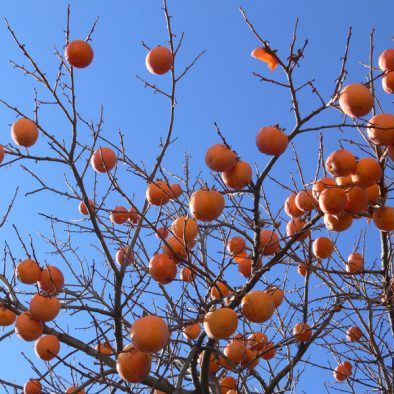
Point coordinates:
[(266, 56)]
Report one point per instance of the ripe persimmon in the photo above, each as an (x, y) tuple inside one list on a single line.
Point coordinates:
[(355, 263), (341, 163), (383, 218), (367, 172), (227, 383), (341, 372), (388, 82), (269, 242), (158, 193), (206, 205), (220, 323), (51, 279), (220, 158), (24, 132), (149, 333), (175, 191), (332, 200), (302, 332), (28, 271), (356, 200), (73, 388), (162, 268), (353, 334), (79, 53), (191, 331), (322, 247), (103, 160), (83, 208), (185, 228), (238, 176), (186, 274), (124, 256), (268, 351), (322, 184), (219, 290), (44, 308), (47, 347), (355, 100), (295, 226), (305, 201), (162, 233), (132, 364), (277, 295), (386, 60), (7, 316), (235, 351), (119, 215), (291, 208), (32, 386), (257, 306), (381, 129), (104, 348), (340, 222), (257, 340), (271, 141), (28, 328), (236, 245), (159, 60)]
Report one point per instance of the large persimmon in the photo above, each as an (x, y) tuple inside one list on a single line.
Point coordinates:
[(271, 141), (79, 53), (356, 200), (162, 268), (220, 158), (47, 347), (220, 323), (51, 279), (257, 306), (185, 227), (28, 328), (103, 160), (332, 200), (132, 364), (206, 205), (7, 316), (149, 334), (355, 100), (291, 208), (322, 247), (367, 172), (340, 222), (381, 129), (159, 60), (32, 386), (44, 308), (341, 163), (28, 271), (269, 242), (191, 331), (158, 193), (386, 60), (235, 351), (24, 132), (238, 176), (305, 201), (177, 248), (383, 218)]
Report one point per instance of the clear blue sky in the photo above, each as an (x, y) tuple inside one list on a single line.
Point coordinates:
[(220, 88)]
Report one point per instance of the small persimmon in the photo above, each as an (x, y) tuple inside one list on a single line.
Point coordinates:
[(322, 247), (47, 347), (383, 218), (162, 268), (7, 316), (353, 334), (83, 209), (291, 208), (119, 215), (103, 160), (302, 332), (28, 271), (79, 53), (159, 60), (191, 331), (24, 132)]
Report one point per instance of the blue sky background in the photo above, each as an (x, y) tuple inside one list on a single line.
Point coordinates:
[(219, 88)]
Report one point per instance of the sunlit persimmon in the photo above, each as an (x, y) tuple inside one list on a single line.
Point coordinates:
[(388, 82), (353, 334), (239, 176), (47, 347), (305, 201), (149, 333), (291, 208), (271, 141), (340, 222), (220, 158), (268, 351), (332, 200), (386, 60), (341, 163), (368, 172), (104, 348), (303, 269), (124, 256), (383, 218), (51, 279), (277, 295), (213, 364), (186, 274), (44, 308), (322, 184), (132, 364), (302, 332), (119, 215), (28, 271), (27, 328), (257, 306), (356, 200), (322, 247), (269, 242), (296, 225), (158, 193), (341, 372), (103, 160), (236, 245), (83, 209), (185, 227), (191, 331), (218, 290), (355, 263), (159, 60), (24, 132), (355, 100), (206, 205), (176, 247), (220, 323), (245, 266), (162, 268), (227, 383), (32, 386), (235, 351), (79, 53), (257, 340), (7, 316), (162, 233), (73, 388), (175, 191), (381, 129), (266, 56)]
